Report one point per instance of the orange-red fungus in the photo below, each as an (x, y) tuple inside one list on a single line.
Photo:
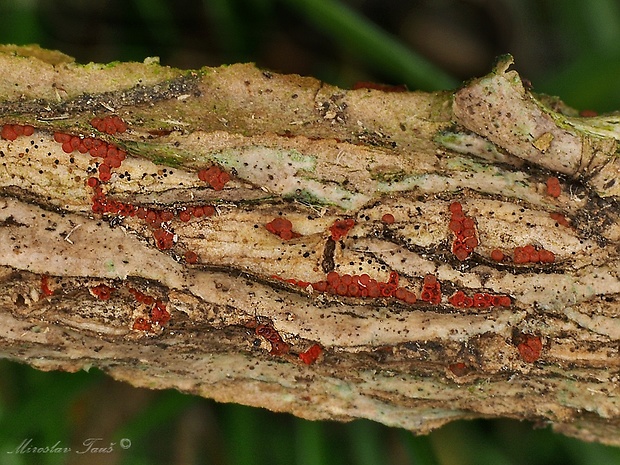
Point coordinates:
[(310, 355), (588, 113), (109, 124), (341, 228), (102, 291), (497, 255), (530, 254), (560, 219), (464, 229), (553, 187), (141, 297), (92, 182), (529, 348), (479, 300), (278, 346), (45, 288), (458, 369), (142, 324), (282, 228), (102, 205), (13, 131), (357, 286), (388, 218), (164, 239), (191, 257), (185, 215), (431, 290), (112, 156), (215, 176), (159, 314)]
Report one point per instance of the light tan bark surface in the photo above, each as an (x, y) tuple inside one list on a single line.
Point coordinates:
[(315, 154)]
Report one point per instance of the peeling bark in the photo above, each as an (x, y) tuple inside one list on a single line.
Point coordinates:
[(411, 195)]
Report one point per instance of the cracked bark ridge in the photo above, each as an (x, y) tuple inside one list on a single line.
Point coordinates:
[(412, 258)]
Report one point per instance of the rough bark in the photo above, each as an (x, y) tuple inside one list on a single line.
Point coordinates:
[(538, 339)]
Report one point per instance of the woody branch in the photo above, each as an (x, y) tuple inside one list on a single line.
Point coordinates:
[(412, 258)]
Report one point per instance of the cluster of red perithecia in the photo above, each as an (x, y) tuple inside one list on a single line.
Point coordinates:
[(281, 348), (110, 124), (282, 228), (479, 300), (112, 156), (158, 313), (360, 286), (13, 131), (431, 290), (215, 176), (340, 228), (278, 346), (464, 229)]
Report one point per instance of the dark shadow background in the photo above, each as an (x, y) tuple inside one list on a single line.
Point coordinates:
[(569, 48)]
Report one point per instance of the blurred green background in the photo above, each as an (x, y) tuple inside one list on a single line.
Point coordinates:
[(569, 48)]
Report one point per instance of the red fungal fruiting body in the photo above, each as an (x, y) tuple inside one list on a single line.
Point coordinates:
[(159, 314), (8, 132), (61, 137), (141, 297), (341, 228), (546, 256), (553, 187), (191, 257), (497, 255), (102, 291), (357, 286), (388, 218), (458, 369), (13, 131), (310, 355), (464, 229), (431, 290), (142, 324), (278, 346), (45, 285), (104, 173), (455, 207), (164, 239), (405, 295), (560, 219), (588, 113), (529, 348), (112, 156), (282, 228), (109, 124), (206, 210), (479, 300), (102, 205), (529, 254), (185, 215), (215, 176)]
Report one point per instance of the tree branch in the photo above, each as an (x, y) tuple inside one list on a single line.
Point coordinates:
[(412, 258)]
